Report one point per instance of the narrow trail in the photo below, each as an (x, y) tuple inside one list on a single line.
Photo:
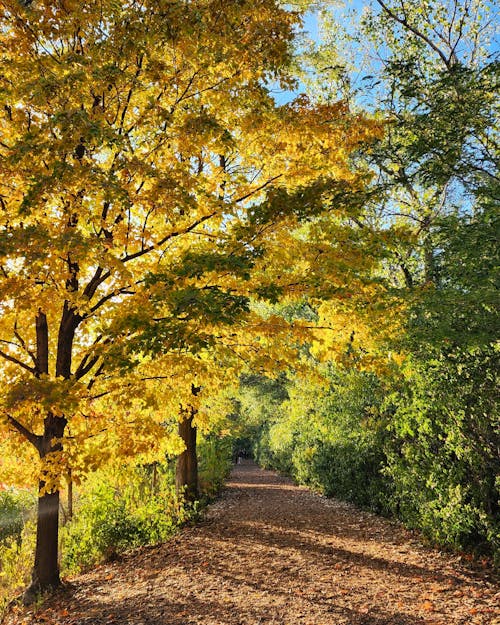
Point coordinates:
[(271, 553)]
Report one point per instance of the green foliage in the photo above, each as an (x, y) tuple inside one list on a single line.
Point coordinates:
[(17, 542), (460, 308), (350, 457), (214, 454), (117, 514), (443, 458), (347, 469), (258, 403), (16, 561), (443, 455), (15, 508), (330, 439)]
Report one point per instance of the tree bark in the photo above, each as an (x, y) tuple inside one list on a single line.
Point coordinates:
[(46, 568), (67, 328), (42, 344), (186, 475), (70, 496), (154, 479), (45, 575)]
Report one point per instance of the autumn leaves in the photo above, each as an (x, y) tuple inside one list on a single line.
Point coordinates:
[(150, 186)]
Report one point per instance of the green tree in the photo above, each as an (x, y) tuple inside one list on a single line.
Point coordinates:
[(429, 70)]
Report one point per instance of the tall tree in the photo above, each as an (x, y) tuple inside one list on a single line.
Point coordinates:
[(432, 71), (431, 68), (136, 137)]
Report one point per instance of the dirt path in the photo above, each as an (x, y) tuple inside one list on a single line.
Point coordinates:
[(271, 553)]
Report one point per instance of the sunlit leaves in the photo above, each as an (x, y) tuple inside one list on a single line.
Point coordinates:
[(150, 190)]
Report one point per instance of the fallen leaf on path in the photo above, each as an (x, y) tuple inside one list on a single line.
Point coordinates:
[(273, 564)]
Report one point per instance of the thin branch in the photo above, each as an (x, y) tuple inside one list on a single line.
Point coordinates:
[(83, 370), (92, 382), (88, 436), (103, 394), (88, 361), (25, 347), (34, 439), (106, 298), (404, 22), (262, 186), (10, 343), (130, 93), (17, 362), (167, 237)]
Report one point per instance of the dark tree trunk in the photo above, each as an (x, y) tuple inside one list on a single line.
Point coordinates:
[(42, 343), (70, 497), (67, 328), (154, 479), (45, 574), (46, 569), (186, 475)]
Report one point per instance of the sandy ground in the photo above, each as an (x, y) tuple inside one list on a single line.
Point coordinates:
[(269, 552)]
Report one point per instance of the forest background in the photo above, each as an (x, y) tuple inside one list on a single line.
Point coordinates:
[(312, 278)]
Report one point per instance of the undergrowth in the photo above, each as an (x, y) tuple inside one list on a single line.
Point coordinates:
[(115, 509)]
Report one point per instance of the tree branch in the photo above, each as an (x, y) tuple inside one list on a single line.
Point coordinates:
[(34, 439), (404, 22), (106, 298), (97, 279), (166, 238), (25, 347), (262, 186), (85, 366), (92, 382), (88, 361), (17, 362)]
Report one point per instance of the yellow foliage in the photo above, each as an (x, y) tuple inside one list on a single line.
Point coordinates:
[(130, 138)]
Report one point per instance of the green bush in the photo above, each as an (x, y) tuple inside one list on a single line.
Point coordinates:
[(15, 508), (442, 457), (112, 517), (262, 449), (346, 469), (17, 542), (16, 562), (214, 457), (331, 440)]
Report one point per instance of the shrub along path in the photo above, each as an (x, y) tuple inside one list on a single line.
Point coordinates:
[(269, 552)]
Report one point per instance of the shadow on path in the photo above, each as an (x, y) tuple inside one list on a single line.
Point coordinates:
[(269, 552)]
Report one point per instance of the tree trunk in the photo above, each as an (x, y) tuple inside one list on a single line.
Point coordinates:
[(45, 575), (46, 569), (70, 496), (154, 479), (186, 475)]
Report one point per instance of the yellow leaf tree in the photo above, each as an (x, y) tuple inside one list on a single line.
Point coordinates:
[(138, 143)]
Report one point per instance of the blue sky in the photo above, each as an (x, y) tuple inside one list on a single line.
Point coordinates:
[(311, 27)]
